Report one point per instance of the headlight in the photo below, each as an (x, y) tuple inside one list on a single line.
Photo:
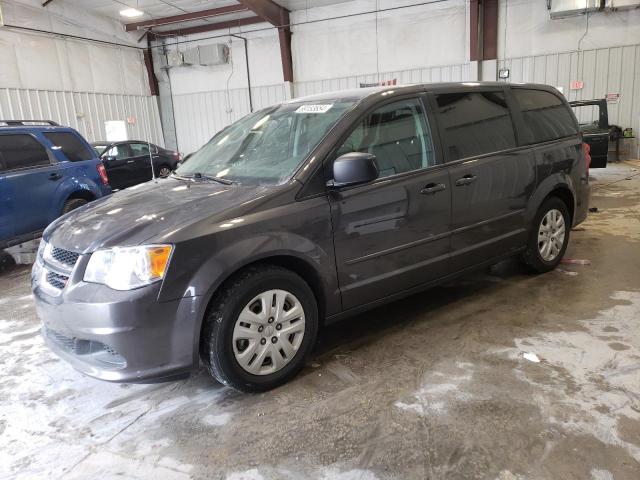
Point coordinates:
[(126, 268)]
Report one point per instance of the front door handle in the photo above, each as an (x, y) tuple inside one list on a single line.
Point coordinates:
[(130, 161), (466, 180), (433, 188), (55, 176)]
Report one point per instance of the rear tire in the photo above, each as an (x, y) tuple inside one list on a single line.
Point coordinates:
[(164, 171), (261, 327), (72, 204), (549, 236)]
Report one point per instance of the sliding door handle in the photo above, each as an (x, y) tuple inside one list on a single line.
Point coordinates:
[(466, 180), (433, 188)]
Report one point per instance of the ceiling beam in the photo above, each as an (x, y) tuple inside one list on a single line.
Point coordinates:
[(212, 12), (279, 18), (208, 28)]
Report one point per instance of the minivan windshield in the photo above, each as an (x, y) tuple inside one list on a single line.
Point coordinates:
[(266, 147)]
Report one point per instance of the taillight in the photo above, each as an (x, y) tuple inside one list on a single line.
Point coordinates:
[(586, 148), (103, 174)]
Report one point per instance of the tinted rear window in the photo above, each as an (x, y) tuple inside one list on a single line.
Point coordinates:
[(546, 116), (475, 123), (71, 146), (21, 151)]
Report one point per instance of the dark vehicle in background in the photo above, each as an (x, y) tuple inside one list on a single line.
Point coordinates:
[(595, 132), (45, 171), (129, 163), (303, 214)]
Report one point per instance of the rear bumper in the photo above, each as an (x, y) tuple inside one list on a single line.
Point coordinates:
[(119, 336)]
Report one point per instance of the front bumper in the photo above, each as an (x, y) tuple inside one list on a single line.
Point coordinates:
[(118, 336)]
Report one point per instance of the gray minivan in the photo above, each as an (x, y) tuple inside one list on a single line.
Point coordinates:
[(302, 214)]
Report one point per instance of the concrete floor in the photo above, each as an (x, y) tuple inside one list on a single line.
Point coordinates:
[(435, 386)]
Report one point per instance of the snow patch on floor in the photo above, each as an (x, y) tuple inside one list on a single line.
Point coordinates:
[(438, 390), (603, 359), (217, 420)]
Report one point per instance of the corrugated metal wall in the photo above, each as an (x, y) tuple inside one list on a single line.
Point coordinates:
[(85, 111), (446, 73), (606, 70), (198, 116)]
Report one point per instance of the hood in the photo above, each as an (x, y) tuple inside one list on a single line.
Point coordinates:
[(139, 213)]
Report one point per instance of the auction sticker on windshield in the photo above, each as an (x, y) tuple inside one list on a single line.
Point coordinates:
[(314, 108)]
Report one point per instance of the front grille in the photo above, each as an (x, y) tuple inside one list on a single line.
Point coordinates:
[(64, 256), (56, 280)]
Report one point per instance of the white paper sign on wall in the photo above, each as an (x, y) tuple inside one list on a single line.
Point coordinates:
[(116, 130)]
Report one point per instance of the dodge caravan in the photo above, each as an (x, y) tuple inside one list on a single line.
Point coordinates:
[(305, 213)]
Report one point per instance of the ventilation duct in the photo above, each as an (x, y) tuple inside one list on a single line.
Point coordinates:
[(571, 8), (207, 55)]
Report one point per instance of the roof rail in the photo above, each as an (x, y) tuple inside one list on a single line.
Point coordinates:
[(27, 123)]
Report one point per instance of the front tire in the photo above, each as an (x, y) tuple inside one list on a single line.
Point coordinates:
[(72, 204), (260, 329), (549, 236)]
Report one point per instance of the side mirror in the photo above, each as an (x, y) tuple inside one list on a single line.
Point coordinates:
[(108, 158), (354, 168)]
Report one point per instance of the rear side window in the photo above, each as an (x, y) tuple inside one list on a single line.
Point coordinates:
[(475, 123), (138, 149), (21, 151), (71, 146), (546, 117)]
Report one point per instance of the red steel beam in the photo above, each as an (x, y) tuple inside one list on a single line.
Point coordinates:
[(151, 76), (484, 30), (212, 12), (208, 28), (279, 18)]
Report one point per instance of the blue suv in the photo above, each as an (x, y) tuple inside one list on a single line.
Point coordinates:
[(45, 171)]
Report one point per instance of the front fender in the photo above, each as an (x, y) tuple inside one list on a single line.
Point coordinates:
[(68, 187), (212, 274)]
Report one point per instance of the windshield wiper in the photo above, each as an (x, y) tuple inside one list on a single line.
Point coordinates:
[(224, 181)]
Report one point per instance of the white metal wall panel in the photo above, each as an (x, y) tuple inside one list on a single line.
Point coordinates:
[(198, 116), (446, 73), (605, 70), (84, 111)]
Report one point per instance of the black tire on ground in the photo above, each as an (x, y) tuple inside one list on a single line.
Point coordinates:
[(216, 339), (72, 204), (164, 171), (532, 257)]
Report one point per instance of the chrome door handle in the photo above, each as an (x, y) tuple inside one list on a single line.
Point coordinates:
[(130, 161), (433, 188), (466, 180)]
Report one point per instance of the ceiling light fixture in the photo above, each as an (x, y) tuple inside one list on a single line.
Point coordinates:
[(131, 12)]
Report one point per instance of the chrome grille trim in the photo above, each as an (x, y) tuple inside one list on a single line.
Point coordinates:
[(63, 256), (56, 280)]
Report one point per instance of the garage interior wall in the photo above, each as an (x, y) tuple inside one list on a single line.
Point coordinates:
[(74, 82), (206, 99), (419, 43), (601, 49)]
